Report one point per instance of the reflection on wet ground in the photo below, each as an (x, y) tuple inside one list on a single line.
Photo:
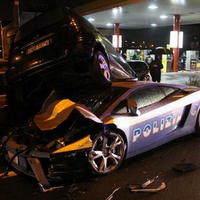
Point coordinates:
[(181, 77)]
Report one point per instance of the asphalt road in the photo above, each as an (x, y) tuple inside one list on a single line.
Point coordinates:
[(179, 185)]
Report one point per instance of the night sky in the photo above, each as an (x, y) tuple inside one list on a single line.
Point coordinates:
[(6, 10), (157, 36), (6, 6)]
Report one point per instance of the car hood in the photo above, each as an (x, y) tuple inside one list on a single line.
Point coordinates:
[(59, 111)]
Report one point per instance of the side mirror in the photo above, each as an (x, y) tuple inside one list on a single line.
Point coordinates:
[(132, 107)]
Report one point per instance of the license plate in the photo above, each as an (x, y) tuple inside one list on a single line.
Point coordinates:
[(10, 154), (36, 47)]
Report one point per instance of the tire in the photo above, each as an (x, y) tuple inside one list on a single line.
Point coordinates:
[(100, 70), (107, 153)]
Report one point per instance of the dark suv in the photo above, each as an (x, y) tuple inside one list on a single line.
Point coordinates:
[(141, 68), (60, 50)]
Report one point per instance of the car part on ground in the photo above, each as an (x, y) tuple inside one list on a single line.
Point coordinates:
[(150, 190), (42, 189), (112, 194), (132, 187), (185, 167)]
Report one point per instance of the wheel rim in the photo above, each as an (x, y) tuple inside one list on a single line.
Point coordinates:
[(103, 64), (107, 153)]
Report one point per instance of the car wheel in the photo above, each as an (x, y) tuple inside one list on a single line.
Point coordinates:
[(107, 153), (100, 70)]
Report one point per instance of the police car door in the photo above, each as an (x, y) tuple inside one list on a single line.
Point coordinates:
[(156, 119)]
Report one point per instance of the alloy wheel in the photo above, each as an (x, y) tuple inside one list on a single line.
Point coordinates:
[(107, 153)]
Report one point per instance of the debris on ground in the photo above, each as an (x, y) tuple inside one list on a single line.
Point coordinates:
[(150, 190), (142, 187), (43, 189), (149, 181), (112, 194), (185, 167)]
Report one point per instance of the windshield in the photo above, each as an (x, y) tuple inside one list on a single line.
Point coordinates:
[(39, 22), (97, 100)]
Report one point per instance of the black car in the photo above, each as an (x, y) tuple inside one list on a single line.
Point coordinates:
[(141, 68), (59, 50)]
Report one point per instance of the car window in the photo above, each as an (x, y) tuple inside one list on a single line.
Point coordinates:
[(135, 65), (39, 22), (147, 96), (169, 90), (143, 97), (121, 108), (150, 98)]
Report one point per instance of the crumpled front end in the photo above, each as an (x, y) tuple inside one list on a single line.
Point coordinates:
[(48, 151)]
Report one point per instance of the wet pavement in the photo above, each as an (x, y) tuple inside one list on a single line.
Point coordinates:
[(181, 77)]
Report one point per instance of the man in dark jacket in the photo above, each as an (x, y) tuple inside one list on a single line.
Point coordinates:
[(155, 69)]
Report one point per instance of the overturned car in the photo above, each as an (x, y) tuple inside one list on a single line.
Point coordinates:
[(60, 50), (98, 128)]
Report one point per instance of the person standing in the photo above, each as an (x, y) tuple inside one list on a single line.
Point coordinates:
[(148, 59), (155, 69), (136, 56)]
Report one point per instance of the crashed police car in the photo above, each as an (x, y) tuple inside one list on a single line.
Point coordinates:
[(97, 128), (59, 50)]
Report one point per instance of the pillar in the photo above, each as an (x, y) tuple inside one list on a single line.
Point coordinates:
[(117, 33), (176, 27)]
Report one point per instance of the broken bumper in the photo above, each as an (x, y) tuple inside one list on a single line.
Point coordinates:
[(43, 166)]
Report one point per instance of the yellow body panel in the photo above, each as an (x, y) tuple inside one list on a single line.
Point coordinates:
[(83, 143)]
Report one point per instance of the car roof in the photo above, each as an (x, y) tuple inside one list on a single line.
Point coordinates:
[(140, 84)]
